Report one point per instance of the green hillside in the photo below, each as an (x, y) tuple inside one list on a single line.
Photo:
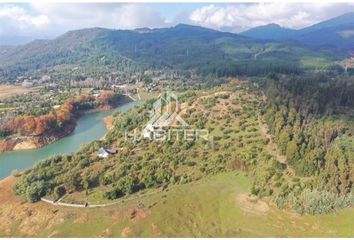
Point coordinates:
[(99, 51)]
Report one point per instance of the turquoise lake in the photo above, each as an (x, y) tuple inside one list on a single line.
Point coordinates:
[(89, 127)]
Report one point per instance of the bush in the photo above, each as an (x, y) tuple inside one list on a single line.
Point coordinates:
[(314, 202), (318, 202), (255, 190), (114, 193), (105, 179), (20, 187), (191, 163)]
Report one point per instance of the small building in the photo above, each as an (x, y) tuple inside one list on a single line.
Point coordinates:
[(104, 152), (45, 78), (27, 84)]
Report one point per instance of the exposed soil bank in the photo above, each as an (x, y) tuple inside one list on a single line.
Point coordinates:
[(108, 122), (33, 142)]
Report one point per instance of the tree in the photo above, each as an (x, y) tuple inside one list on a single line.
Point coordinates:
[(86, 185), (105, 96), (59, 192), (127, 184), (339, 169), (148, 177), (73, 181), (283, 140), (35, 191), (291, 152), (162, 175)]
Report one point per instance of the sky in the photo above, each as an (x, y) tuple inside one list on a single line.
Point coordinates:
[(48, 20)]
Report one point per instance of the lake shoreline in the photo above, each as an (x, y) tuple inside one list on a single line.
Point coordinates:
[(90, 127), (36, 142)]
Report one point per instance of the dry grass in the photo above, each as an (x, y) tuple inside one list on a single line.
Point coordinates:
[(218, 206), (7, 91)]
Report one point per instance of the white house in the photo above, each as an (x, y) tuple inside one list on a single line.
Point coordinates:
[(104, 153)]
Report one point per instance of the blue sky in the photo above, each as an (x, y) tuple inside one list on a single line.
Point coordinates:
[(48, 20)]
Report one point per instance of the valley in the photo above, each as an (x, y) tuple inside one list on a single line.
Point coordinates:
[(179, 131), (240, 170)]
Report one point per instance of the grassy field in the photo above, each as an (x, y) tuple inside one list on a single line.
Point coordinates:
[(215, 206), (7, 91), (211, 207)]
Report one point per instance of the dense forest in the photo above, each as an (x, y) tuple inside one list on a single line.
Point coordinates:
[(311, 117), (94, 52)]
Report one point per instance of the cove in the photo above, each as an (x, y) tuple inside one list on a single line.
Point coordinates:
[(89, 127)]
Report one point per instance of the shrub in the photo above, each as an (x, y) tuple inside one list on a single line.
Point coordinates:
[(191, 163), (114, 193), (319, 202), (314, 202), (255, 190), (105, 179), (20, 187)]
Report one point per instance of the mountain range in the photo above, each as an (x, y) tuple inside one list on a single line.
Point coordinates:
[(257, 51), (337, 32)]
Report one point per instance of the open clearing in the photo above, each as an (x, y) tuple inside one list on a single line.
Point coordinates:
[(215, 206), (7, 91)]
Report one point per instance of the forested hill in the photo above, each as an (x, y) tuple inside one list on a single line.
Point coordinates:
[(312, 120), (182, 47)]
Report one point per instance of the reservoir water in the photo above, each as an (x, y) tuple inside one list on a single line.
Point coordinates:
[(89, 127)]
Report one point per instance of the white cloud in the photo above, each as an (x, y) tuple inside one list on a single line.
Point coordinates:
[(239, 17), (16, 20), (110, 15), (51, 19)]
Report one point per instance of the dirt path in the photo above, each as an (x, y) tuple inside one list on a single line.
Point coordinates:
[(73, 205), (259, 53)]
